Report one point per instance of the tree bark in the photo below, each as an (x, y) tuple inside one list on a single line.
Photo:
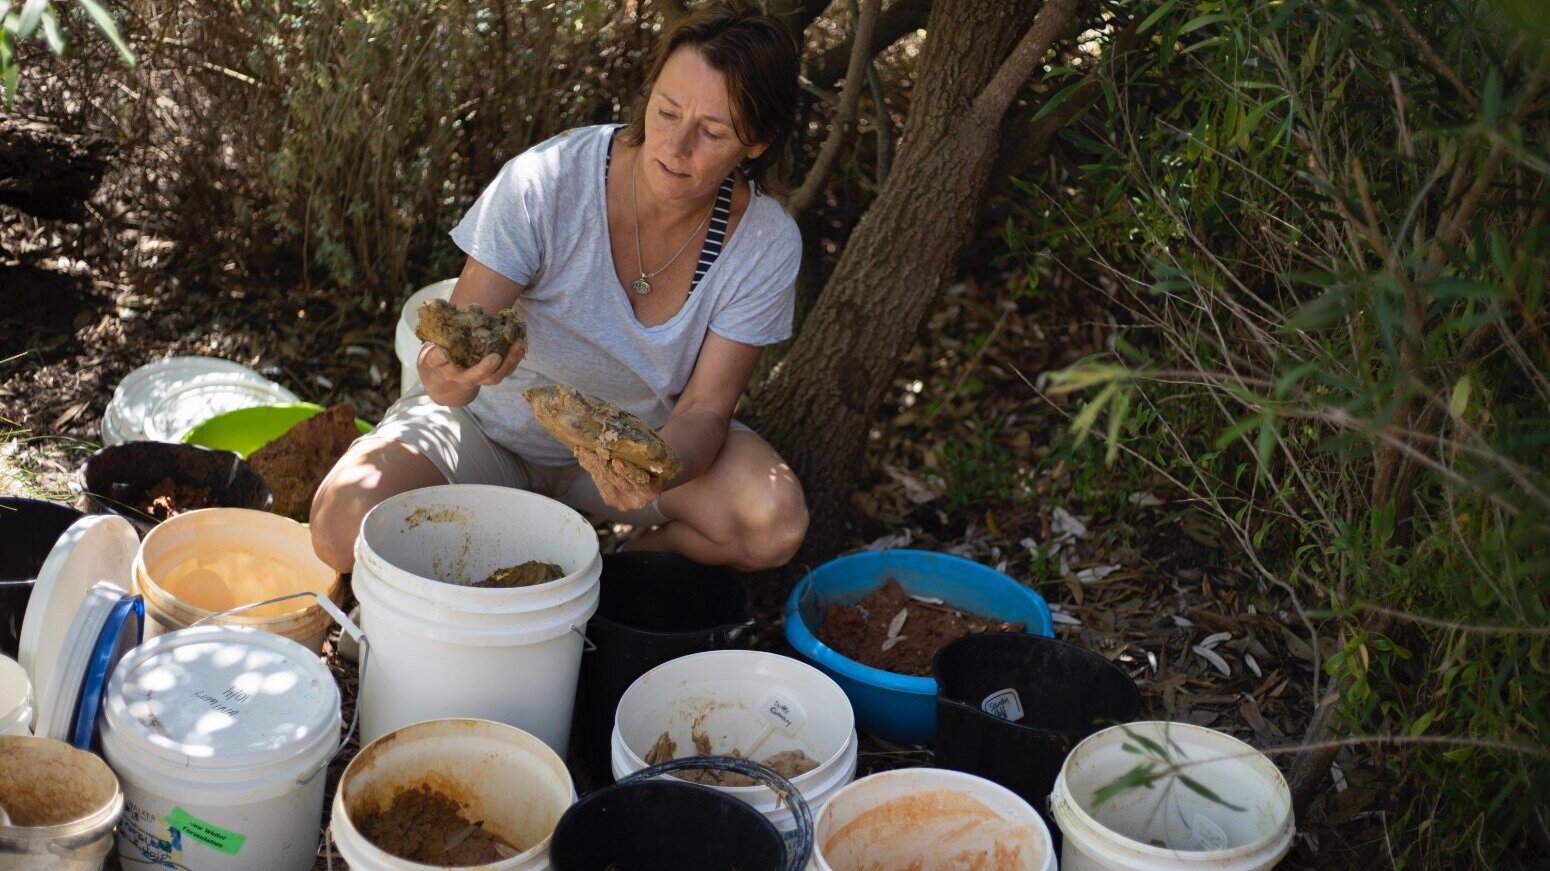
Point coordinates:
[(47, 172), (818, 405)]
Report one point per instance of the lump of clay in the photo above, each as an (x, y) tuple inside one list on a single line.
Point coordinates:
[(467, 334), (294, 464), (528, 574), (583, 423)]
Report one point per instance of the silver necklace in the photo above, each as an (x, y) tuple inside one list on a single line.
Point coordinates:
[(641, 285)]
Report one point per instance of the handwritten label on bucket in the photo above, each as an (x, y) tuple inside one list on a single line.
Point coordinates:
[(783, 714), (1006, 704), (212, 836)]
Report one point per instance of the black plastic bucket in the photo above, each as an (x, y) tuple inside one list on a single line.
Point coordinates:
[(1009, 708), (645, 824), (116, 478), (29, 529), (653, 607)]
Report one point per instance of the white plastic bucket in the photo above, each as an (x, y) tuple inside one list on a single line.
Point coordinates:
[(930, 818), (405, 343), (756, 703), (441, 648), (146, 403), (63, 804), (15, 698), (203, 562), (1195, 833), (501, 775), (220, 736)]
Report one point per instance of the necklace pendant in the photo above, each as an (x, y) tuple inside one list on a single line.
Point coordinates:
[(641, 285)]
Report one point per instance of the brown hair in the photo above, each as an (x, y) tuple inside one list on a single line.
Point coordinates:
[(756, 54)]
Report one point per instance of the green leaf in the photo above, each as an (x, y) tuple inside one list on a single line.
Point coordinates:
[(1151, 20), (31, 17), (1491, 99), (1422, 723), (1082, 424), (1117, 411), (1059, 97), (56, 40), (1201, 788), (1459, 402), (109, 29), (1141, 775), (1266, 442), (1200, 21)]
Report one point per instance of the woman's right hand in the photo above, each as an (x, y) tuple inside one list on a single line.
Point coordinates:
[(447, 383)]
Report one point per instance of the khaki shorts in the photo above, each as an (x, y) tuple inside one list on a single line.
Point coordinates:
[(460, 450)]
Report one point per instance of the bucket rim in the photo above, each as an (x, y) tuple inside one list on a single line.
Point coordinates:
[(1064, 804), (938, 776), (1005, 638), (163, 601), (421, 586), (369, 753)]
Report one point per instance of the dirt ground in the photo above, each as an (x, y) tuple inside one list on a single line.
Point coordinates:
[(965, 457)]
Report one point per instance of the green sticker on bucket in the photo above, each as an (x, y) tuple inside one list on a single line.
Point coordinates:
[(214, 837)]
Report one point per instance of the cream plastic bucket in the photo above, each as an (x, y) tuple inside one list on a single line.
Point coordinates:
[(930, 818), (63, 804), (500, 774), (405, 343), (744, 700), (204, 562), (1197, 833), (221, 736), (15, 698), (445, 649)]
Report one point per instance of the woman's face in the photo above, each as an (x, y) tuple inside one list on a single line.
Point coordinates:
[(690, 144)]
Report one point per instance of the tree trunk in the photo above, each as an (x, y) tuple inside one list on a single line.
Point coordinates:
[(818, 406), (47, 172)]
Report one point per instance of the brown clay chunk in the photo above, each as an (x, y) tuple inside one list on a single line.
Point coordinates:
[(583, 423), (294, 464), (168, 497), (861, 631), (662, 751), (468, 334), (787, 763), (528, 574), (422, 822)]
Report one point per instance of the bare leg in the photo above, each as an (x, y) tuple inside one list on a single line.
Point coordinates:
[(746, 511), (371, 471)]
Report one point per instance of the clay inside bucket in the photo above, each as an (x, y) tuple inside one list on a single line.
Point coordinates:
[(936, 828), (45, 783)]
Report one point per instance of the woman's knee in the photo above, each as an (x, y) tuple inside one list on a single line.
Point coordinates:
[(366, 475), (772, 525)]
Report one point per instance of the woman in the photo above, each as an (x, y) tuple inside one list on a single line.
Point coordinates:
[(651, 265)]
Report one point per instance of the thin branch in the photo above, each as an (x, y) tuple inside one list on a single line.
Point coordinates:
[(845, 121), (1048, 25), (1476, 628), (882, 121)]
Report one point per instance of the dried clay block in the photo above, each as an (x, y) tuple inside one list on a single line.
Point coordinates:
[(582, 423), (467, 334)]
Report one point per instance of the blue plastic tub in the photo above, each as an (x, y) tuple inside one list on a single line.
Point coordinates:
[(897, 707)]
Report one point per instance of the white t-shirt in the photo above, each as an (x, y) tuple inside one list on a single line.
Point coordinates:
[(543, 223)]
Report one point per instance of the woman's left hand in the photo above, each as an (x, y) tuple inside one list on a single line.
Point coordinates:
[(623, 486)]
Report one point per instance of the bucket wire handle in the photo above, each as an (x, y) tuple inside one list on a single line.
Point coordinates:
[(798, 853), (345, 624), (587, 644)]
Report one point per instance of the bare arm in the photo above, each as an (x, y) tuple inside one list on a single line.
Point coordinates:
[(446, 383), (697, 428)]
